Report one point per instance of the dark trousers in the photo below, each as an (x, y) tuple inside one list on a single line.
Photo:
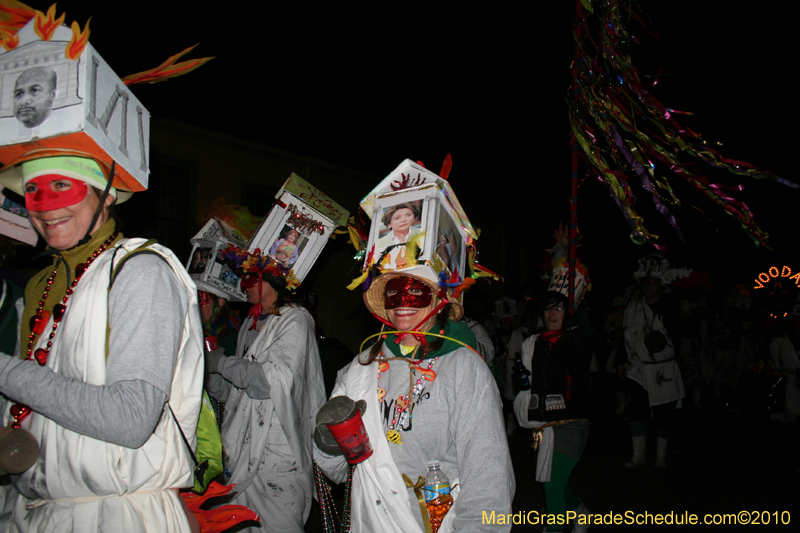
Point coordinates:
[(640, 413)]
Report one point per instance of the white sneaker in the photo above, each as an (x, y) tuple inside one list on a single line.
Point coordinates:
[(577, 527)]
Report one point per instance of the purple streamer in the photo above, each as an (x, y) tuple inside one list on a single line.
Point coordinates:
[(646, 183)]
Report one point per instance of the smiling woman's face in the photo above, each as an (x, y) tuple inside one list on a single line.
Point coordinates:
[(407, 301), (63, 226)]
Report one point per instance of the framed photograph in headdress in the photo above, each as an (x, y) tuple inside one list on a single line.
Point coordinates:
[(450, 249), (207, 270), (288, 246), (200, 259), (293, 233), (400, 230)]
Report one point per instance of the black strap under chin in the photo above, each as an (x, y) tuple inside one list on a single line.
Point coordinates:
[(100, 206)]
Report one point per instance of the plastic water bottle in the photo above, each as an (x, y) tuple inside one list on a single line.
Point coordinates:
[(437, 494)]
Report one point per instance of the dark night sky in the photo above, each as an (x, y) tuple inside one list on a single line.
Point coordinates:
[(365, 86)]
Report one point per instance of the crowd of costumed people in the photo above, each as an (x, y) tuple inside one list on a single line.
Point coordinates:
[(143, 392)]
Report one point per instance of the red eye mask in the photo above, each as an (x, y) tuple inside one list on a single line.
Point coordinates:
[(401, 288), (249, 280), (203, 299), (47, 199)]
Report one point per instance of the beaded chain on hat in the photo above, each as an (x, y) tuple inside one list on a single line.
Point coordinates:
[(405, 403), (39, 321)]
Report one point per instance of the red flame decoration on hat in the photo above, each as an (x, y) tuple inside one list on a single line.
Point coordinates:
[(46, 25), (78, 41)]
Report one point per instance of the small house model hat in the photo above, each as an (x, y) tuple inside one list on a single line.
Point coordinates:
[(223, 225), (657, 267), (71, 116), (301, 211), (448, 269), (652, 266), (559, 270)]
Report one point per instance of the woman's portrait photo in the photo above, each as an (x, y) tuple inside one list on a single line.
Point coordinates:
[(400, 224), (288, 246)]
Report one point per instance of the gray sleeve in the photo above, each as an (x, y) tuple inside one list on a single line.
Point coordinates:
[(246, 375), (487, 476), (124, 413), (217, 387), (146, 308), (334, 466)]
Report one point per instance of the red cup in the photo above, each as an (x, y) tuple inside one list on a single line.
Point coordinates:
[(352, 438), (211, 343)]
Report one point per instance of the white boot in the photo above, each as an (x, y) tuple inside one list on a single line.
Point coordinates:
[(661, 452), (639, 443), (577, 526)]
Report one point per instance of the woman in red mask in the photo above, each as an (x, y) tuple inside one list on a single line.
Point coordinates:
[(272, 387), (554, 396), (426, 395), (106, 352)]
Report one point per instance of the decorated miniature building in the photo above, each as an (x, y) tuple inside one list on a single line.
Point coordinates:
[(297, 228), (290, 237), (57, 93), (418, 226), (205, 265)]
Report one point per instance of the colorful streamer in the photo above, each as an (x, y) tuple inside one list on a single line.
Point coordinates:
[(623, 132)]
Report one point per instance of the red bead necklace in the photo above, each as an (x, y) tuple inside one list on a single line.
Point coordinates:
[(39, 322)]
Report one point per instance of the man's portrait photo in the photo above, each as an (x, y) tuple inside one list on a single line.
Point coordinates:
[(34, 93)]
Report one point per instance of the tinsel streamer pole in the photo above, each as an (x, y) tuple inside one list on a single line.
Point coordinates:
[(573, 228), (573, 199), (629, 140)]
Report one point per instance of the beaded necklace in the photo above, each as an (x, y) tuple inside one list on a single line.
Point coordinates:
[(42, 317), (405, 402), (327, 505)]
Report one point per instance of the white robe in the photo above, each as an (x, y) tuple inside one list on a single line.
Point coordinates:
[(657, 373), (267, 443), (84, 484)]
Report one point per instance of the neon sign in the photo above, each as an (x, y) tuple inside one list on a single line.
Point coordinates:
[(774, 273)]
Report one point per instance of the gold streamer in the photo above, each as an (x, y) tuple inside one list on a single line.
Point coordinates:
[(422, 506)]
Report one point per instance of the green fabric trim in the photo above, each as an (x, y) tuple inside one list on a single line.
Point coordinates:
[(456, 330), (64, 278), (209, 445)]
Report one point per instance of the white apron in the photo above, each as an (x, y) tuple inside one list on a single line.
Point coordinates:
[(84, 484), (657, 373), (378, 479)]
